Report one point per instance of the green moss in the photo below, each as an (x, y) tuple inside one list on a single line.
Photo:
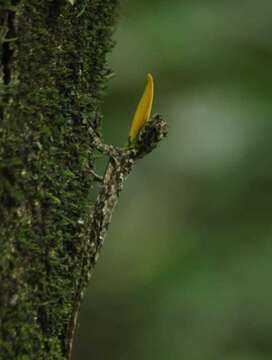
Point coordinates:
[(58, 73)]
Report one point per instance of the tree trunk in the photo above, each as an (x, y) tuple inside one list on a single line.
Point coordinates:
[(53, 71)]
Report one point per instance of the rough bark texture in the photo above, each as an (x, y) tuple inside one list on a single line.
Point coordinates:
[(53, 71)]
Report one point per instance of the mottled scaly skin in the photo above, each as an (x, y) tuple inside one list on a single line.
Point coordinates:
[(121, 162)]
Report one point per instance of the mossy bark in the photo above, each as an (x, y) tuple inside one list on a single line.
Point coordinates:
[(53, 71)]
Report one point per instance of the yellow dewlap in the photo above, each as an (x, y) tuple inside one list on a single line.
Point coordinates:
[(143, 110)]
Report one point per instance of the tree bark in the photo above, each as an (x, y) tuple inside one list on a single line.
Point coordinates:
[(53, 71)]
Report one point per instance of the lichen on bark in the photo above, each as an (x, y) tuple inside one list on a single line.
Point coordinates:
[(53, 72)]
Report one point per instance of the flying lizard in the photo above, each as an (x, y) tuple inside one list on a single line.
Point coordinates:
[(144, 135)]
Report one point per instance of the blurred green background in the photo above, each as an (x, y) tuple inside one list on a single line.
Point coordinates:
[(186, 269)]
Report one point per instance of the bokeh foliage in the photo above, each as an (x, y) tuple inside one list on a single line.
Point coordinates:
[(185, 272)]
